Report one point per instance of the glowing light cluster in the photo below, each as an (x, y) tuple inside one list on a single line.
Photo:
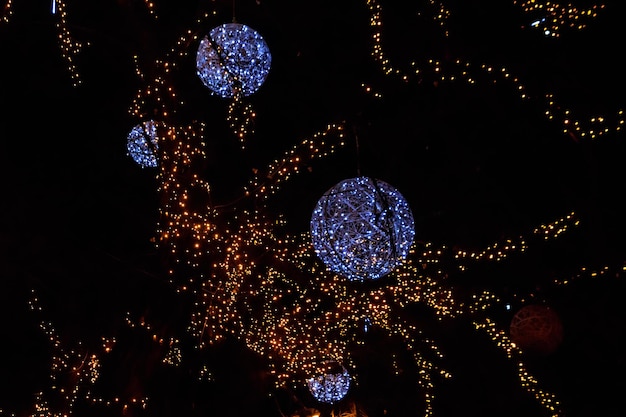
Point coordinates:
[(241, 119), (319, 145), (7, 11), (142, 144), (233, 59), (73, 374), (70, 47), (332, 384), (362, 228), (501, 339), (553, 17), (591, 127), (269, 289)]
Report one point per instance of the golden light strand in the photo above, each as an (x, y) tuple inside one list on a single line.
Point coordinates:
[(7, 12), (70, 48), (555, 17), (578, 128)]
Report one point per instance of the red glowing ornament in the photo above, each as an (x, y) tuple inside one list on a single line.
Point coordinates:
[(537, 329)]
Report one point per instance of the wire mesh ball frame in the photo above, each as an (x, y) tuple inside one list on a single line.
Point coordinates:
[(142, 144), (233, 59), (362, 228), (332, 383), (537, 329)]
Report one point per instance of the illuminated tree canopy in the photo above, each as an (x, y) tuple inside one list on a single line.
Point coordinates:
[(220, 279)]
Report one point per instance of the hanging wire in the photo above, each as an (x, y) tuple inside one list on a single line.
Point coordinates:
[(358, 153), (234, 20)]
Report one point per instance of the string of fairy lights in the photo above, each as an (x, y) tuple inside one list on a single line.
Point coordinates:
[(238, 283), (558, 17), (252, 281), (73, 374), (561, 16), (7, 11), (553, 17)]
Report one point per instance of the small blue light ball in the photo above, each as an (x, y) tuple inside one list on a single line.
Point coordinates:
[(362, 228), (142, 144), (331, 384), (232, 59)]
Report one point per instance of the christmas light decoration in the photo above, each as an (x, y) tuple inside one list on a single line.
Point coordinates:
[(332, 383), (233, 59), (537, 328), (553, 16), (362, 228), (142, 144), (214, 249)]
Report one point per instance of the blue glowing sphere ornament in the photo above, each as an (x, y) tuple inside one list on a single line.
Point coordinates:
[(331, 384), (232, 59), (142, 144), (362, 228)]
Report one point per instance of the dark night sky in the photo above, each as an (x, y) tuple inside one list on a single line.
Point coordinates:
[(475, 163)]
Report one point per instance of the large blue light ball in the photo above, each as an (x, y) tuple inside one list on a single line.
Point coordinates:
[(232, 59), (331, 384), (142, 144), (362, 228)]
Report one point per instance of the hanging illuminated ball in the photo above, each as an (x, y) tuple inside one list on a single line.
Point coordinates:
[(537, 329), (142, 144), (331, 384), (362, 228), (233, 58)]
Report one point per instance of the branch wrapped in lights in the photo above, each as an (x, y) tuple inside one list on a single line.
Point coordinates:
[(289, 305), (233, 59), (552, 17), (279, 311), (362, 228)]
